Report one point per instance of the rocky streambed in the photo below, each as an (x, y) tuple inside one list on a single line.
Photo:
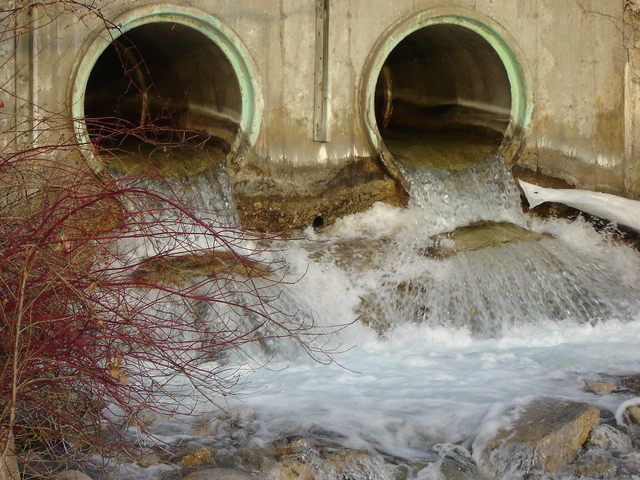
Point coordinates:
[(540, 438)]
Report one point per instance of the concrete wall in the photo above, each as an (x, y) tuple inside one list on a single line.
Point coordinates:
[(581, 55)]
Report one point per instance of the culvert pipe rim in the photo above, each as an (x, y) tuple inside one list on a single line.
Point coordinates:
[(211, 27), (499, 40)]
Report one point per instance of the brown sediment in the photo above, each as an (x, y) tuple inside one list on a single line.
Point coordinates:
[(354, 188)]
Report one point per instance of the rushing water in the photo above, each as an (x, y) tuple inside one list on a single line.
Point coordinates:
[(441, 330)]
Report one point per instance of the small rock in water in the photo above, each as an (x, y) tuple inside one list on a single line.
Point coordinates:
[(544, 437), (147, 460), (631, 463), (457, 464), (144, 418), (198, 458), (302, 458), (72, 475), (610, 439), (221, 474), (594, 463), (628, 416), (599, 386), (604, 383), (290, 469), (629, 383)]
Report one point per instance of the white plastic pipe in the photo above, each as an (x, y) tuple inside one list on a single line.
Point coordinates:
[(611, 207)]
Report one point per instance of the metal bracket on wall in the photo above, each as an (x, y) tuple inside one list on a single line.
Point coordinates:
[(321, 78)]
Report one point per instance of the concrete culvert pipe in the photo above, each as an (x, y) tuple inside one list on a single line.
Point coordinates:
[(160, 88), (167, 87), (444, 85), (446, 90)]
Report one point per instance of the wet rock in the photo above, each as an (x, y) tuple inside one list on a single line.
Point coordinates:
[(376, 310), (145, 418), (610, 439), (352, 255), (181, 270), (205, 428), (628, 417), (454, 469), (604, 383), (303, 458), (357, 464), (294, 445), (479, 236), (221, 474), (599, 386), (290, 469), (147, 460), (457, 464), (202, 456), (544, 437), (595, 463), (631, 463), (629, 384), (72, 475)]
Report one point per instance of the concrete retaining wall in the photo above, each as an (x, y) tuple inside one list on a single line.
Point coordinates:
[(581, 57)]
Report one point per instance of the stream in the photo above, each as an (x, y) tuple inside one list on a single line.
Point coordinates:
[(436, 316)]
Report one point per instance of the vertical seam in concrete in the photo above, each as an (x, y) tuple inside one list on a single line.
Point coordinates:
[(283, 66), (627, 123), (631, 108), (321, 78), (24, 75), (536, 77)]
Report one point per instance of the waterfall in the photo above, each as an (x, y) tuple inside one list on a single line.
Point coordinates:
[(463, 256)]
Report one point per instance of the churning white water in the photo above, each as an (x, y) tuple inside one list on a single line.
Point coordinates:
[(178, 215), (435, 344)]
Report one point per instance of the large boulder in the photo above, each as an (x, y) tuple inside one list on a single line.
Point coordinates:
[(544, 436)]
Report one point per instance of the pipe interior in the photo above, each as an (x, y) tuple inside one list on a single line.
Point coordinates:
[(446, 89), (159, 87)]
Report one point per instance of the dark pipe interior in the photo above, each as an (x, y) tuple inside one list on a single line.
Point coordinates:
[(443, 85), (159, 87)]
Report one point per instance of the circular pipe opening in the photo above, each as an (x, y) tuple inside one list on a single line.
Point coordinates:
[(446, 88), (443, 97), (161, 92), (170, 90)]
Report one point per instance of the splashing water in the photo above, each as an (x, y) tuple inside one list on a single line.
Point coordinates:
[(446, 322), (203, 203)]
